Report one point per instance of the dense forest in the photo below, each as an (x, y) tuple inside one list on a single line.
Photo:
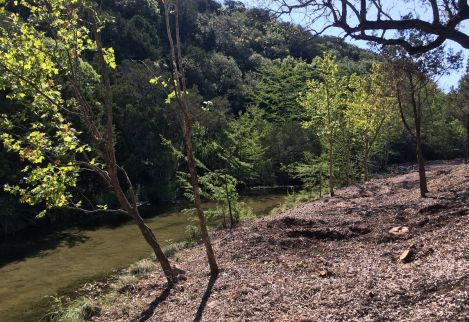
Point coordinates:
[(246, 72)]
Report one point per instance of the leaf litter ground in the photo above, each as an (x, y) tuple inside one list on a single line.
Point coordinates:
[(329, 260)]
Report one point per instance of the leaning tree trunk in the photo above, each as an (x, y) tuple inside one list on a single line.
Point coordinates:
[(197, 200), (151, 240), (146, 232), (109, 156)]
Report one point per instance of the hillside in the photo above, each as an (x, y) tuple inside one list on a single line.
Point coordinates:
[(225, 48), (329, 260)]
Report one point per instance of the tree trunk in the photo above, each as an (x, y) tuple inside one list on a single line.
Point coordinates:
[(331, 169), (197, 200), (180, 89), (386, 155), (320, 182), (349, 162), (365, 163), (466, 143), (230, 211), (417, 110), (109, 156), (421, 164), (466, 150), (151, 240), (147, 233)]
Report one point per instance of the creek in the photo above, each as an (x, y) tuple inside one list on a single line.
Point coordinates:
[(69, 258)]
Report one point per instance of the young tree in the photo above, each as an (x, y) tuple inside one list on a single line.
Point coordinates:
[(410, 85), (368, 110), (43, 68), (324, 102), (179, 93)]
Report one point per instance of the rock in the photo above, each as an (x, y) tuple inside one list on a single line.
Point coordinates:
[(399, 230)]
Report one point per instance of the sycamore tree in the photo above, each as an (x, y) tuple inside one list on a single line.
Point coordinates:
[(368, 110), (324, 102), (179, 93), (44, 70)]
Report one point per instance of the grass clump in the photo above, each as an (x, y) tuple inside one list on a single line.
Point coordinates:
[(171, 249), (124, 283), (80, 309), (142, 267)]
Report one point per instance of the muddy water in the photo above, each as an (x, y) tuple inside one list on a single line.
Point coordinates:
[(81, 255)]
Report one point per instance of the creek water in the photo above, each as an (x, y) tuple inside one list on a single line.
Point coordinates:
[(72, 257)]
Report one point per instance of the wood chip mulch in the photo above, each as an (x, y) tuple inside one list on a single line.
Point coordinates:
[(336, 259)]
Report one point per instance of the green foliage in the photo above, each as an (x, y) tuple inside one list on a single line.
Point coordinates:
[(309, 171), (325, 99), (368, 111), (243, 148), (324, 103), (32, 64), (254, 74), (276, 86)]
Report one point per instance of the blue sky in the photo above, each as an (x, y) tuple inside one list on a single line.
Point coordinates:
[(399, 8)]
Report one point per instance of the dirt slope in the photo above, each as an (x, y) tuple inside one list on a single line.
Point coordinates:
[(330, 260)]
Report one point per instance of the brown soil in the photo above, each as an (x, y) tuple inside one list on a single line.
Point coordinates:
[(330, 260)]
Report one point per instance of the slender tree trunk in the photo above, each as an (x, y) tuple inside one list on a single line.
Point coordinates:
[(349, 159), (466, 143), (417, 110), (229, 204), (320, 182), (466, 150), (152, 241), (197, 200), (386, 155), (365, 162), (331, 168), (421, 163), (147, 233), (180, 89), (109, 156), (365, 166)]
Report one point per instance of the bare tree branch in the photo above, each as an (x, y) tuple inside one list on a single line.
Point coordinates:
[(353, 17)]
